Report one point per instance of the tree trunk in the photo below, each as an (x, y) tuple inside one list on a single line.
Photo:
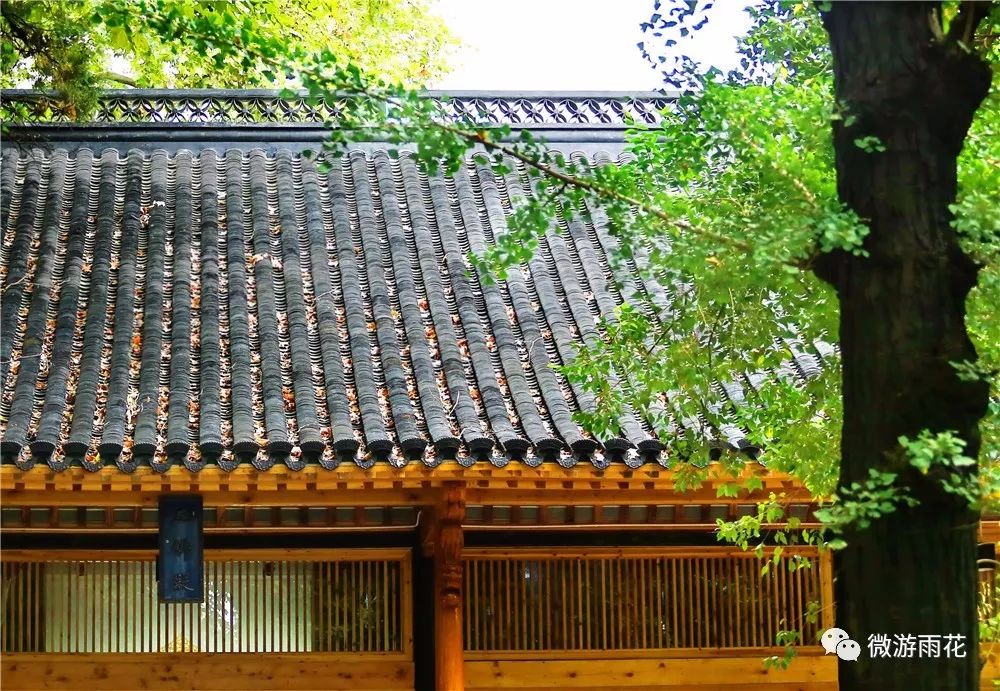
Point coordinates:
[(902, 322)]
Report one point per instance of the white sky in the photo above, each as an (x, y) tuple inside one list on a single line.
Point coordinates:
[(569, 45)]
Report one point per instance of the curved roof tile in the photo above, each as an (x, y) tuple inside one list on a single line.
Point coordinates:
[(247, 307)]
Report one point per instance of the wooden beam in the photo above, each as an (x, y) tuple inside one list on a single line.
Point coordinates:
[(989, 530), (639, 654), (448, 542), (415, 484), (647, 552), (617, 496), (412, 474), (608, 527), (344, 497), (194, 670), (814, 672), (362, 496), (399, 554)]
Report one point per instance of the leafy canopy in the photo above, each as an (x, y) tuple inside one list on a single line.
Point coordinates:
[(726, 205), (78, 46)]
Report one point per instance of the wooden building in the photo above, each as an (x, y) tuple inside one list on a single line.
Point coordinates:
[(396, 493)]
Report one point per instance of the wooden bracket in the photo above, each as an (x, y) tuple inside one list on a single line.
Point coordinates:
[(448, 546)]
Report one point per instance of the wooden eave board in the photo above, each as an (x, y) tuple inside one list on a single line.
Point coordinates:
[(415, 484)]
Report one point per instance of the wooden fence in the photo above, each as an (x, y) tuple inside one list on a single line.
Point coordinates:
[(639, 599), (256, 601)]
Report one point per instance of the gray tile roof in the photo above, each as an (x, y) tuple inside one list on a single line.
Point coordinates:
[(243, 306)]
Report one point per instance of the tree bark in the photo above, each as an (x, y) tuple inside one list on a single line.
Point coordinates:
[(902, 322)]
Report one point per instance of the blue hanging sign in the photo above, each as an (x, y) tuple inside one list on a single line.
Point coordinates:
[(181, 562)]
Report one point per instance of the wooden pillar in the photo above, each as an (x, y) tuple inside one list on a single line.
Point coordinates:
[(446, 542), (827, 614)]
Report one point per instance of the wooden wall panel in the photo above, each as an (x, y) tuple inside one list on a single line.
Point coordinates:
[(631, 599), (257, 601)]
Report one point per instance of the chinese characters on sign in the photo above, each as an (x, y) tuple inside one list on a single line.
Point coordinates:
[(181, 570), (897, 645), (906, 645)]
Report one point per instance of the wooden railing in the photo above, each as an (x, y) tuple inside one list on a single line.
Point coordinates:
[(638, 599), (274, 601)]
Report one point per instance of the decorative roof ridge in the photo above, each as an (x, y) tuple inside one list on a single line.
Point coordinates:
[(255, 107), (39, 151)]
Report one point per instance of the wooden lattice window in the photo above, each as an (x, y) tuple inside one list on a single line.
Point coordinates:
[(634, 599), (294, 601)]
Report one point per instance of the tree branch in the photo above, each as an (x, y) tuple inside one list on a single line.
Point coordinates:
[(120, 78), (33, 40), (479, 137), (965, 23), (934, 20)]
